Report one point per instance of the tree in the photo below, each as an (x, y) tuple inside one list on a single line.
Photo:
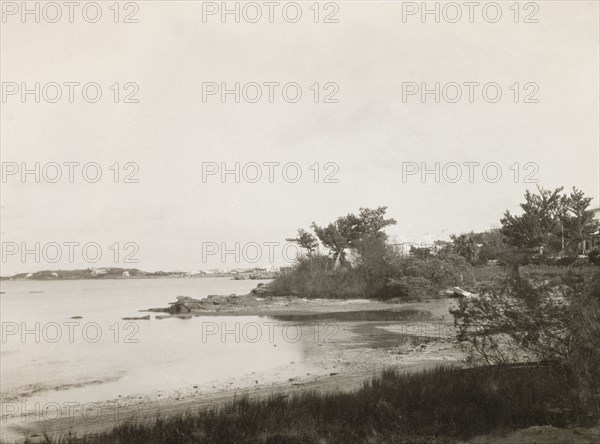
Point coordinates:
[(305, 240), (550, 222), (518, 322), (420, 252), (535, 226), (464, 245), (577, 221), (372, 223), (493, 245), (348, 231), (334, 236), (534, 230), (442, 248), (537, 320)]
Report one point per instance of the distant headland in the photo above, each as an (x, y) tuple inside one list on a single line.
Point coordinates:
[(134, 273)]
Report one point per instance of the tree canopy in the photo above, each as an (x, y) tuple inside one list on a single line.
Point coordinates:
[(550, 219), (346, 232)]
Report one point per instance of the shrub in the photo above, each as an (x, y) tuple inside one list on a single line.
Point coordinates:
[(315, 276), (442, 272), (585, 331), (551, 314), (594, 257), (377, 274), (407, 288), (566, 260)]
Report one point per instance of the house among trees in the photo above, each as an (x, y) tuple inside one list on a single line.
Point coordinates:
[(593, 242)]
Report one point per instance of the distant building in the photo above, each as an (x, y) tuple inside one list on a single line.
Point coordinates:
[(126, 274), (403, 248), (214, 271), (596, 213), (99, 271), (594, 241), (195, 273)]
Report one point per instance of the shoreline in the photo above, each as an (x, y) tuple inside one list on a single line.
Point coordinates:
[(109, 417), (372, 336), (267, 305)]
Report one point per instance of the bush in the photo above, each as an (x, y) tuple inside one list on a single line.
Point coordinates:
[(550, 313), (565, 261), (407, 288), (560, 261), (490, 252), (378, 274), (585, 331), (447, 271), (316, 276), (594, 257)]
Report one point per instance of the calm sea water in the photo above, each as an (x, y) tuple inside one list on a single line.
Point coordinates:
[(47, 356)]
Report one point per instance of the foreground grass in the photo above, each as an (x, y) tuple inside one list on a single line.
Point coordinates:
[(435, 406)]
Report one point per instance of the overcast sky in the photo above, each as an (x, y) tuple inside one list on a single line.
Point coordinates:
[(368, 134)]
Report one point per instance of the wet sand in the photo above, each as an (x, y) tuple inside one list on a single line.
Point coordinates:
[(349, 342)]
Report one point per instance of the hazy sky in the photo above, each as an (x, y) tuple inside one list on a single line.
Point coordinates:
[(369, 134)]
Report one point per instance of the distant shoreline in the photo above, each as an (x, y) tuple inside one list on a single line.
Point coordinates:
[(168, 275)]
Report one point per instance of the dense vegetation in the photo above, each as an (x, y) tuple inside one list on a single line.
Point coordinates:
[(531, 320), (361, 264), (554, 229), (387, 277)]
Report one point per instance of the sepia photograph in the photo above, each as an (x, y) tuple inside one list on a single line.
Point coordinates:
[(300, 222)]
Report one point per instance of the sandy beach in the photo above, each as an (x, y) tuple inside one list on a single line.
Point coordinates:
[(350, 341)]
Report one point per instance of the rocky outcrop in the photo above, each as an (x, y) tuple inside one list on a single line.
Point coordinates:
[(186, 304), (214, 303), (262, 290)]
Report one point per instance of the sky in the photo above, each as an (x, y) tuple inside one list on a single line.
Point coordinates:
[(179, 217)]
